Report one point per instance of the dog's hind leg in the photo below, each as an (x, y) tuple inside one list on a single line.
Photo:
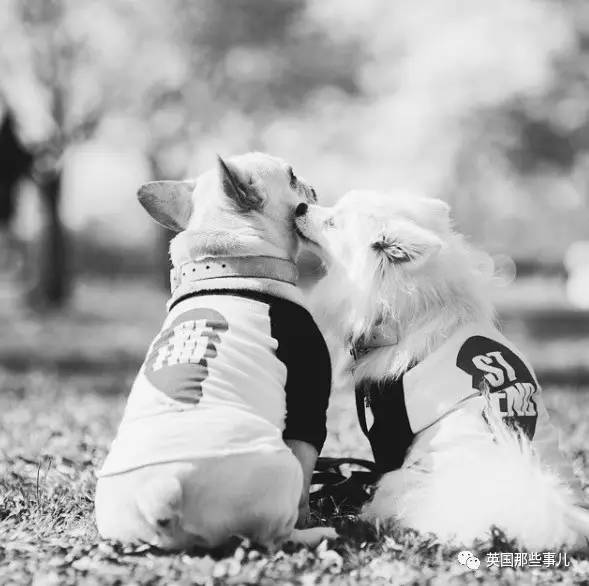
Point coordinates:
[(160, 503), (142, 507)]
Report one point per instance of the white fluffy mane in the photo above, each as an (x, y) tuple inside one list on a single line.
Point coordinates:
[(448, 292)]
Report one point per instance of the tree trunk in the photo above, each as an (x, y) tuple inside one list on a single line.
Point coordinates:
[(51, 286)]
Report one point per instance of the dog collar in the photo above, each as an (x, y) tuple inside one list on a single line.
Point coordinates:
[(380, 337), (260, 267)]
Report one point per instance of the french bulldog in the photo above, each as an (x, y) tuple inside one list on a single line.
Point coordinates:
[(226, 417)]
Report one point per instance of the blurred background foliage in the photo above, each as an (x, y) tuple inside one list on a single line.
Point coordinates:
[(485, 104)]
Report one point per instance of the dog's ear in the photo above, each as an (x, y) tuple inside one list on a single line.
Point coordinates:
[(243, 192), (407, 244), (168, 202)]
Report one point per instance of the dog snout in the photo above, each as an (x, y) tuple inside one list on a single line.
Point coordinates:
[(301, 210)]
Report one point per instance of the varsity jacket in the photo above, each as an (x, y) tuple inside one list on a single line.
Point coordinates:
[(219, 377), (474, 368)]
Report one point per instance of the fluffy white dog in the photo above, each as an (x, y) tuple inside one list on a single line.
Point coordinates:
[(238, 374), (460, 430)]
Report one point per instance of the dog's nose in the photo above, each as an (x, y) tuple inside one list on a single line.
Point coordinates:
[(301, 209)]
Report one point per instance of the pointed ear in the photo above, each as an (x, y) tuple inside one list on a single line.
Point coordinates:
[(407, 244), (239, 189), (168, 202)]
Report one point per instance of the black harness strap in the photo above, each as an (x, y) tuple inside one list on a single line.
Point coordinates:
[(361, 408), (390, 434), (390, 437)]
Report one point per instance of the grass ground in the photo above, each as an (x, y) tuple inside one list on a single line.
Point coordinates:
[(63, 382)]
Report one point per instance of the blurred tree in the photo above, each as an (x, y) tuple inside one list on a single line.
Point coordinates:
[(67, 65), (543, 140), (184, 70), (15, 163), (41, 78), (554, 127)]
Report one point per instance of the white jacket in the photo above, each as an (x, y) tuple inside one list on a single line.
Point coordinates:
[(474, 368), (222, 375)]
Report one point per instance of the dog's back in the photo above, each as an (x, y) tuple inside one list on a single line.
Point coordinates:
[(199, 455), (211, 385)]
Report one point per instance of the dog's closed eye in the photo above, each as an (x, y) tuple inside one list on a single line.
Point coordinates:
[(391, 249), (407, 243)]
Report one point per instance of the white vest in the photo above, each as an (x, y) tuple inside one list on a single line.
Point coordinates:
[(429, 406), (194, 397)]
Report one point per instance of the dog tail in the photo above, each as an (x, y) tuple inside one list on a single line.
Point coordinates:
[(465, 490), (160, 503)]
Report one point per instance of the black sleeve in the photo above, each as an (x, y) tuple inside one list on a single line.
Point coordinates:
[(303, 351)]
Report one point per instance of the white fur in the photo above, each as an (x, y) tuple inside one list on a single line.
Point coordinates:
[(467, 482), (474, 484)]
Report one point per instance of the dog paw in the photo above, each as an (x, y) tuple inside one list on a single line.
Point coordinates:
[(312, 537)]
